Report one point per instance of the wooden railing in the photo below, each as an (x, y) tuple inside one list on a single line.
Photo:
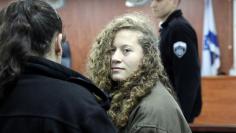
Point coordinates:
[(218, 114), (213, 128)]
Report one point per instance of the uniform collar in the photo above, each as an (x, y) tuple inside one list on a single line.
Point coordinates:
[(175, 14)]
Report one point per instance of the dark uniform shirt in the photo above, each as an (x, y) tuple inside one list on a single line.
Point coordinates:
[(179, 54)]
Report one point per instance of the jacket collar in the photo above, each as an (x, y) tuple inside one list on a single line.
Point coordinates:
[(173, 15), (41, 66)]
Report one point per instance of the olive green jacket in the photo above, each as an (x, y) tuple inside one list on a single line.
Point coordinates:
[(158, 112)]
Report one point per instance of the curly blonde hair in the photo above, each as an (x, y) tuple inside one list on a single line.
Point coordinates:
[(126, 94)]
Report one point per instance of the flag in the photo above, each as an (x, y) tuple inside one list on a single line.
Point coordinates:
[(211, 51)]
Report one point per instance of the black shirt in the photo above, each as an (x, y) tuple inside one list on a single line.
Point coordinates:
[(179, 54)]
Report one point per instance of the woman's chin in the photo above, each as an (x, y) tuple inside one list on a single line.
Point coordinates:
[(118, 79)]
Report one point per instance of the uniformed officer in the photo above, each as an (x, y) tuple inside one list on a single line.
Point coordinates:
[(179, 53)]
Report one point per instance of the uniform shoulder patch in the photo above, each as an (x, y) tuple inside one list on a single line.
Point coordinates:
[(179, 48)]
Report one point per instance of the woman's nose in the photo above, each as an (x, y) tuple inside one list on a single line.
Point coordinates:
[(116, 56)]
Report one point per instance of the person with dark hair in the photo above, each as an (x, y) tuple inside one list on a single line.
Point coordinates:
[(179, 54), (37, 94), (125, 62)]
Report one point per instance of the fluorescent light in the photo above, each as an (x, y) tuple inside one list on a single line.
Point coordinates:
[(134, 3)]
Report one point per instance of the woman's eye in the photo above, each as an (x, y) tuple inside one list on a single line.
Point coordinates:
[(126, 50), (112, 51)]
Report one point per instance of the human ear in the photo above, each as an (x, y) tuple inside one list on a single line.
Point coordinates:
[(58, 45)]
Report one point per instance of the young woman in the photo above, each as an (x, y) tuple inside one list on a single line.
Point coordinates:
[(125, 62)]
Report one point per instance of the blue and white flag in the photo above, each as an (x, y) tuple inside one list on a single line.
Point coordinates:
[(211, 51)]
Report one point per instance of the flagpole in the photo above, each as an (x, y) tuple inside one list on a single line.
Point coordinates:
[(233, 69)]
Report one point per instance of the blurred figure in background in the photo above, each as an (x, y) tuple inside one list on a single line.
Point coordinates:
[(125, 62), (66, 54), (37, 94), (179, 54)]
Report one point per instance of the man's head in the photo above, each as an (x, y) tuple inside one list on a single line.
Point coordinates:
[(163, 8)]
